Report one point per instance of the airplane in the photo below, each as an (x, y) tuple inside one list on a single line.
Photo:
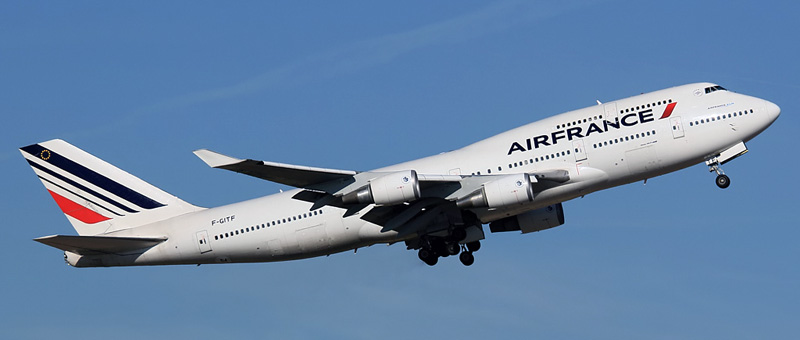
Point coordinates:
[(438, 205)]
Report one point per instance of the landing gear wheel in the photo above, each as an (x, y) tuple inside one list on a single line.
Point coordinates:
[(723, 181), (467, 258), (474, 246), (453, 248), (428, 257), (440, 247)]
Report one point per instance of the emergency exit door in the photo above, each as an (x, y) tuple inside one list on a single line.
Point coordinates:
[(677, 127), (202, 242), (580, 151)]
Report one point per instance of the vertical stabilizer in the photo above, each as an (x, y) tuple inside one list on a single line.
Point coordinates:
[(96, 196)]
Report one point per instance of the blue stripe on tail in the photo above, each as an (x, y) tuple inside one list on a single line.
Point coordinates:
[(90, 176)]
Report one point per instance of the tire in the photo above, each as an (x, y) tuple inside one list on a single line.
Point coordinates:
[(440, 247), (425, 255), (432, 261), (467, 258), (453, 248), (723, 181)]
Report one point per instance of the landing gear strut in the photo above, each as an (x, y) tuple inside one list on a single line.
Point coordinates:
[(466, 256), (723, 181)]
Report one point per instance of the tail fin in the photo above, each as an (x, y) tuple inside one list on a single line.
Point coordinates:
[(96, 196)]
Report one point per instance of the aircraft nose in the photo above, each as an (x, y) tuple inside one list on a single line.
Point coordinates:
[(773, 111)]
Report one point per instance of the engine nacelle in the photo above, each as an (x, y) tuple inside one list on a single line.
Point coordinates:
[(535, 220), (505, 191), (393, 188)]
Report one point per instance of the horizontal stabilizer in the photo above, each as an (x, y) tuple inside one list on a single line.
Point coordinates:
[(293, 175), (92, 245)]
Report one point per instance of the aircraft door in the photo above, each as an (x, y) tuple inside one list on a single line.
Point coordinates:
[(677, 127), (202, 242), (610, 111), (580, 151)]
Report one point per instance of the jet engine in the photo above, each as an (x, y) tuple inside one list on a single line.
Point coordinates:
[(507, 190), (389, 189)]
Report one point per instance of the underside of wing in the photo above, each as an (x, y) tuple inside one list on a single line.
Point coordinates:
[(92, 245)]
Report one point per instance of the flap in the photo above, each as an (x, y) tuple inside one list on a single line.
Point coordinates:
[(293, 175), (92, 245)]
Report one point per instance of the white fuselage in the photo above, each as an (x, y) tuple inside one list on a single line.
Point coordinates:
[(601, 146)]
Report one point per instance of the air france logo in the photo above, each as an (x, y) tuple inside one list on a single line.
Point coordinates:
[(628, 120)]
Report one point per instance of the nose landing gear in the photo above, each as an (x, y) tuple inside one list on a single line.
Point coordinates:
[(723, 181)]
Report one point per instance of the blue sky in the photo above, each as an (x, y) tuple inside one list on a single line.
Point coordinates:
[(362, 85)]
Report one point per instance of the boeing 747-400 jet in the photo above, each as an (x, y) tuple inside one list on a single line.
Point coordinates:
[(438, 205)]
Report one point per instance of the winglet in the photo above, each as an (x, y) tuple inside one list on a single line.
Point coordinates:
[(215, 160)]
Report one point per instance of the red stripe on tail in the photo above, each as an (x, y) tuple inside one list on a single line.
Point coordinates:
[(76, 210), (668, 110)]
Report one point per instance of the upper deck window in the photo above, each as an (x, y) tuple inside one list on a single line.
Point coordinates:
[(714, 88)]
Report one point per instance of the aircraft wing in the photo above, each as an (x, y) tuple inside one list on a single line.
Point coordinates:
[(293, 175), (322, 179), (328, 187)]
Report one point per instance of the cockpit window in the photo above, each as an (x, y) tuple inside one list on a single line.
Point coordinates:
[(714, 89)]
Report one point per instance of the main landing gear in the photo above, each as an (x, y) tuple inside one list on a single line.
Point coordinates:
[(723, 181), (435, 247)]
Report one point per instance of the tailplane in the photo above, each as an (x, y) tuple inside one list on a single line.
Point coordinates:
[(96, 196)]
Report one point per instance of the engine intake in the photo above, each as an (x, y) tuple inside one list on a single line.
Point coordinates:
[(507, 190), (393, 188)]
